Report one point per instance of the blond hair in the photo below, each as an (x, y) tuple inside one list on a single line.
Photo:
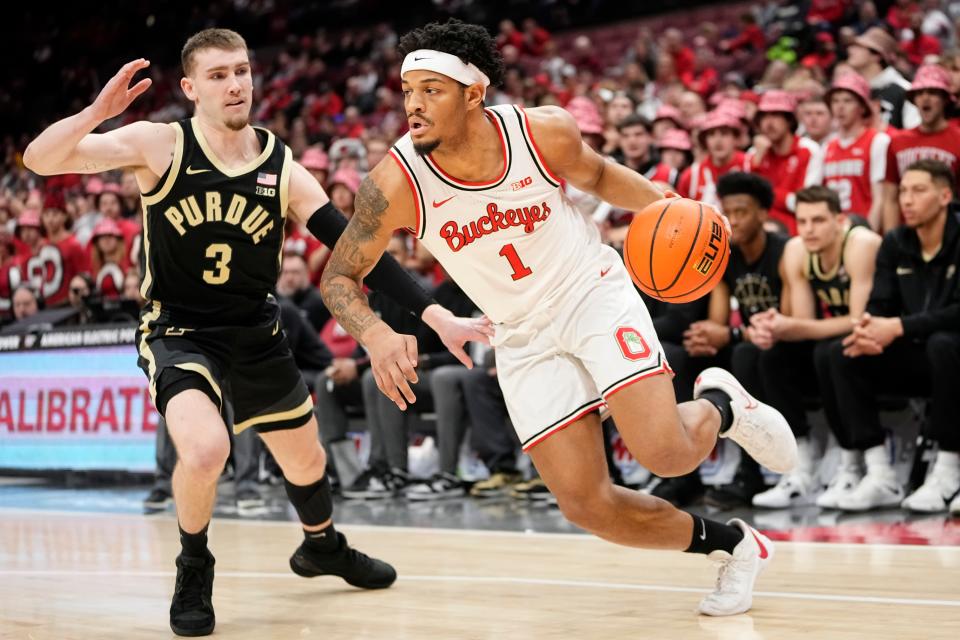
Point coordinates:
[(224, 39)]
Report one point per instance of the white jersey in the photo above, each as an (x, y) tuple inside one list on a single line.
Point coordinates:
[(513, 243)]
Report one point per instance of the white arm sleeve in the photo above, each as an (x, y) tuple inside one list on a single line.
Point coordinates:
[(878, 157)]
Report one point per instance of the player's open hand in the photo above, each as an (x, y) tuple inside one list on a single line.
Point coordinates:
[(393, 357), (454, 331), (117, 94)]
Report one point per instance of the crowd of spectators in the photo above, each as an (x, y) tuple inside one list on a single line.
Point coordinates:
[(848, 95)]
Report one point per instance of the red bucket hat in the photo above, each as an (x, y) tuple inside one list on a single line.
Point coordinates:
[(676, 139), (930, 76), (855, 84)]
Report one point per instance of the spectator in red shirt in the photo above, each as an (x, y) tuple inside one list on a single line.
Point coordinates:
[(751, 38), (916, 44), (703, 77), (509, 35), (788, 161), (900, 12), (854, 163), (831, 11), (111, 207), (108, 258), (935, 138), (718, 134), (824, 55), (66, 257), (676, 153), (535, 38), (317, 163), (343, 190), (673, 46)]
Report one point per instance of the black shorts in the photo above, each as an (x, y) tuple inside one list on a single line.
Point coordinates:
[(249, 366)]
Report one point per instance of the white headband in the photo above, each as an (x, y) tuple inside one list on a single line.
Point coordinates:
[(445, 63)]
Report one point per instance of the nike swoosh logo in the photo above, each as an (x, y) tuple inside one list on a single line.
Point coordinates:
[(442, 202), (904, 271), (191, 171), (605, 271), (703, 536), (763, 549), (419, 59)]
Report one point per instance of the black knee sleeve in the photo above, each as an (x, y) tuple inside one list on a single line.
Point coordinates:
[(314, 502)]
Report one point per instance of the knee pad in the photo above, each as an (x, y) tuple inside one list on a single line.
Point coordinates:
[(314, 502)]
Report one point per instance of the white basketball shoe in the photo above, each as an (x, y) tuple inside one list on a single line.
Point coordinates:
[(845, 481), (738, 572), (938, 489), (877, 490), (760, 429)]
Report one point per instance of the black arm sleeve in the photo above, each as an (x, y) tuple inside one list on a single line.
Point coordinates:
[(884, 296), (327, 224)]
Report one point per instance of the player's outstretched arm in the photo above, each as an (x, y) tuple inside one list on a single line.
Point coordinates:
[(68, 146), (568, 156), (392, 356)]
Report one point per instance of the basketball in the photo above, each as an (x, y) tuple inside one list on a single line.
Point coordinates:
[(677, 249)]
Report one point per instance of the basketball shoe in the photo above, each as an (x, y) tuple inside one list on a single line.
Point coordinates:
[(191, 612), (738, 572), (879, 487), (357, 568), (845, 480), (941, 485), (757, 427), (955, 506), (794, 488), (441, 485)]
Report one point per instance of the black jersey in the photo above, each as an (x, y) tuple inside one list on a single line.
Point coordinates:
[(831, 289), (757, 286), (213, 235)]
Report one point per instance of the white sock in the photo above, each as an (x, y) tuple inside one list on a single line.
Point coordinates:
[(877, 460)]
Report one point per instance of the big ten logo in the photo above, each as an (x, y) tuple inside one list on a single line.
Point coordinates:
[(520, 184), (712, 251), (266, 191)]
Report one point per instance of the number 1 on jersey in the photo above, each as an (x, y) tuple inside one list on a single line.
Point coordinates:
[(520, 270)]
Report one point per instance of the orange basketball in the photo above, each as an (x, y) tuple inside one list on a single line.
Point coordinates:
[(677, 249)]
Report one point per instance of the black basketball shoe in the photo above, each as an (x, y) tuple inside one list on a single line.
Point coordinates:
[(357, 568), (191, 612)]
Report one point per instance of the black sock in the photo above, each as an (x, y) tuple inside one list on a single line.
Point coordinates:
[(709, 535), (323, 541), (194, 544), (721, 401)]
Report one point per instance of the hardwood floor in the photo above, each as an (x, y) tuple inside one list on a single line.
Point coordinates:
[(82, 575)]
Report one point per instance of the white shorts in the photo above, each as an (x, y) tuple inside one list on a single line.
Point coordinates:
[(563, 361)]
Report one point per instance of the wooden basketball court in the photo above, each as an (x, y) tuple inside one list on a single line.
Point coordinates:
[(74, 575)]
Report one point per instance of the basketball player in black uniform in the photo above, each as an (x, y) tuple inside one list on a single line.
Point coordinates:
[(753, 278), (827, 274), (216, 193)]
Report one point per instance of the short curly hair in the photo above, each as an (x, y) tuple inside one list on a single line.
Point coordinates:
[(739, 183), (469, 42)]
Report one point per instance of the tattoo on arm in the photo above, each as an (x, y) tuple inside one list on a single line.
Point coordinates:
[(341, 281)]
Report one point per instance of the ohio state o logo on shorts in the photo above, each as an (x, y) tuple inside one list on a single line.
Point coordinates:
[(632, 344)]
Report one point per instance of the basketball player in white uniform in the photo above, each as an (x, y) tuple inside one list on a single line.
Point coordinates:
[(481, 188)]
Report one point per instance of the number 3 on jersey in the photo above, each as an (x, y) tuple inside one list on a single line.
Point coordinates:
[(520, 270), (221, 253)]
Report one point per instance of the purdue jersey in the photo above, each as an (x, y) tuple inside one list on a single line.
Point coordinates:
[(212, 235), (513, 243), (831, 289)]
